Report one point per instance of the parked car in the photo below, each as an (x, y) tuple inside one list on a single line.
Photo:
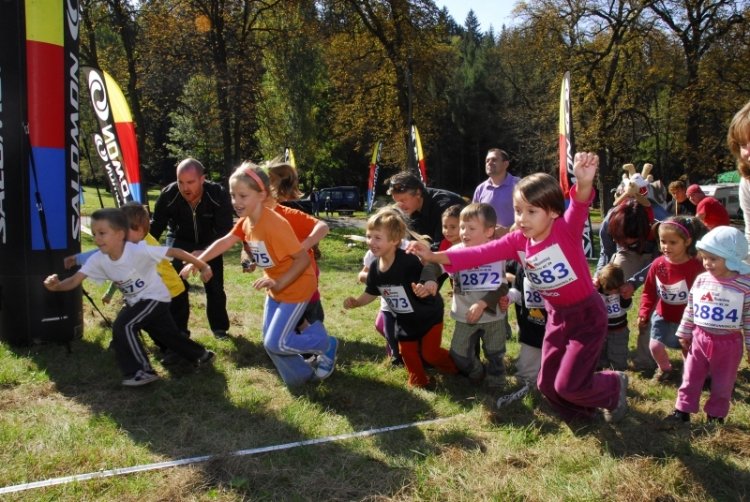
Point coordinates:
[(344, 199), (728, 194), (301, 204)]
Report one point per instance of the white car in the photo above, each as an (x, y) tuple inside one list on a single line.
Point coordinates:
[(728, 194)]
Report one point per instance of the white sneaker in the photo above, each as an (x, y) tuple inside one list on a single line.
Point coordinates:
[(327, 361), (618, 412), (140, 378)]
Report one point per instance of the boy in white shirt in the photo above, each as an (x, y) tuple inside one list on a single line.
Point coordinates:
[(132, 267)]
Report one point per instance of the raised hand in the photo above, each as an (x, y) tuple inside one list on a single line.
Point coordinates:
[(585, 165)]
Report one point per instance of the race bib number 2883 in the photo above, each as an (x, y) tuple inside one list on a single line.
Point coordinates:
[(549, 269)]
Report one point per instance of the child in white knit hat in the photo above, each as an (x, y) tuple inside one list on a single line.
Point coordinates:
[(717, 314)]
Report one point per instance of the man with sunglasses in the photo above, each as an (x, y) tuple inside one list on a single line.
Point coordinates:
[(424, 206)]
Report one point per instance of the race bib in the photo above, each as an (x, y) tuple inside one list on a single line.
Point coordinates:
[(549, 269), (397, 299), (673, 294), (614, 309), (532, 299), (131, 287), (260, 254), (487, 277), (714, 307)]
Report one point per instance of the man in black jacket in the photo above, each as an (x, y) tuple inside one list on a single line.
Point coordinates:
[(196, 212), (424, 206)]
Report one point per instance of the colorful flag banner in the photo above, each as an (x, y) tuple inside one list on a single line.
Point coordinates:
[(115, 141), (40, 212), (372, 179), (566, 150), (418, 153), (289, 157)]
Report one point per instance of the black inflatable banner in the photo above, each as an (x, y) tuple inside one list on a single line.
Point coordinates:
[(40, 212)]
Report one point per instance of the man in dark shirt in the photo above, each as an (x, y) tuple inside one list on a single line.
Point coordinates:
[(424, 206), (680, 204), (196, 212)]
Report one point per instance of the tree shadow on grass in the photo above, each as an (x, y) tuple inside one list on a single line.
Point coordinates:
[(373, 401), (703, 450), (192, 413)]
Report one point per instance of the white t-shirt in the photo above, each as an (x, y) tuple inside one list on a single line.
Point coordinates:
[(745, 204), (134, 273)]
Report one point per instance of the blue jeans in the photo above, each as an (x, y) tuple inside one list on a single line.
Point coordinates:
[(285, 347), (665, 331)]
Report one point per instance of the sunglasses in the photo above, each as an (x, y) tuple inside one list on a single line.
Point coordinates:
[(400, 188)]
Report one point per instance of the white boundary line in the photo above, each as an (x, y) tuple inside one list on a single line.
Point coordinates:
[(205, 458)]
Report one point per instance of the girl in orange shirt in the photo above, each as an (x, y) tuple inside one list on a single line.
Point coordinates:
[(288, 278)]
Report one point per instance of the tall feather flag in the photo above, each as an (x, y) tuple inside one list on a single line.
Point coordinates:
[(289, 157), (115, 141), (418, 153), (566, 149), (372, 179)]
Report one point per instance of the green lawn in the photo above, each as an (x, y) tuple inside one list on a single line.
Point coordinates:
[(64, 414)]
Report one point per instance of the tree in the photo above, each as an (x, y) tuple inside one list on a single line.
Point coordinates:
[(399, 26), (293, 108), (228, 29), (196, 127), (601, 39), (698, 25)]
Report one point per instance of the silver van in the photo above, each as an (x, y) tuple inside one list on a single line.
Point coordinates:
[(728, 194)]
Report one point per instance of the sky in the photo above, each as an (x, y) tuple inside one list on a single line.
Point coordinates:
[(488, 12)]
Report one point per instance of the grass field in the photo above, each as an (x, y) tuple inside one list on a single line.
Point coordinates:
[(66, 413)]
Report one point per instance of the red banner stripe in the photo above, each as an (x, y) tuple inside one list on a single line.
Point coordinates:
[(129, 148), (46, 87)]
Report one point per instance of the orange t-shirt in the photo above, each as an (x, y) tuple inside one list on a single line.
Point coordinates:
[(272, 243), (302, 225)]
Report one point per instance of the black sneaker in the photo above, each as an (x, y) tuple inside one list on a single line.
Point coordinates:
[(715, 420), (206, 358), (221, 334), (170, 358), (677, 417)]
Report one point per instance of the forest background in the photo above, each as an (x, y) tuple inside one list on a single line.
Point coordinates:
[(230, 80)]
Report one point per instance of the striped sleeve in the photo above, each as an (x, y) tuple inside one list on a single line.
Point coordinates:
[(685, 330), (744, 281)]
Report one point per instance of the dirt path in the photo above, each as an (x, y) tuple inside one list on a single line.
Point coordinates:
[(344, 221)]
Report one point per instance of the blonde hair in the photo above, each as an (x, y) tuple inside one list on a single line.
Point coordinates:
[(480, 211), (738, 135), (392, 221), (251, 175)]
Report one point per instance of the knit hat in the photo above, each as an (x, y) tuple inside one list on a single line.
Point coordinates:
[(728, 243), (693, 189)]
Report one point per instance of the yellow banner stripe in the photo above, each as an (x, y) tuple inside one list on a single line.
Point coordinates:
[(120, 109), (44, 21)]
